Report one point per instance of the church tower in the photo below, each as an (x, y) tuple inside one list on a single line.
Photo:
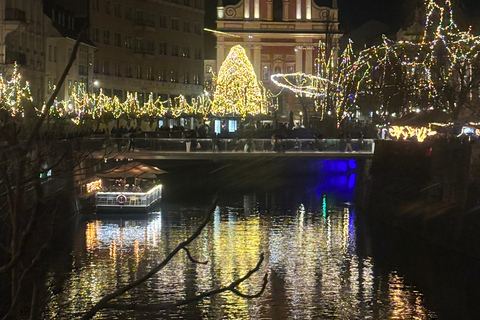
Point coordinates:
[(279, 36)]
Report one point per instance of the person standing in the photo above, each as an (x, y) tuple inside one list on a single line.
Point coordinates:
[(273, 142), (297, 144), (348, 143)]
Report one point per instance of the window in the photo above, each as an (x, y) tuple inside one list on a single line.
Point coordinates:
[(150, 73), (128, 42), (95, 5), (198, 54), (118, 39), (106, 36), (173, 76), (151, 46), (49, 85), (161, 75), (54, 54), (162, 48), (107, 7), (151, 19), (106, 67), (185, 77), (198, 29), (186, 52), (128, 71), (128, 13), (266, 73), (96, 66), (117, 70), (175, 24), (175, 50), (162, 21), (118, 10), (138, 44), (50, 53), (196, 78), (139, 16), (139, 72), (232, 125), (186, 26), (95, 34)]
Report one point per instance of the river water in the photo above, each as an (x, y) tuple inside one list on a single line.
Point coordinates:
[(321, 257)]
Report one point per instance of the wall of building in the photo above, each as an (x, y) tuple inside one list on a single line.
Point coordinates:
[(149, 46)]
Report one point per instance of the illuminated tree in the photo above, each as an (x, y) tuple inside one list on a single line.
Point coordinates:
[(237, 90), (438, 70), (14, 93)]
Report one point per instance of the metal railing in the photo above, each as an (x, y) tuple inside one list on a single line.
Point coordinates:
[(136, 144)]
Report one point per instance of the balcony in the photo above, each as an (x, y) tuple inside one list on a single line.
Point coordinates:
[(13, 14), (144, 25), (144, 52), (13, 56)]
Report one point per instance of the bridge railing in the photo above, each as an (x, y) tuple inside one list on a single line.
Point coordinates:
[(128, 144)]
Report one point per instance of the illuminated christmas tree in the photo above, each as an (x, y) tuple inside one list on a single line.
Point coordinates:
[(237, 90), (14, 93)]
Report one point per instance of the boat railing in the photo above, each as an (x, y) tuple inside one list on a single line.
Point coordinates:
[(128, 199)]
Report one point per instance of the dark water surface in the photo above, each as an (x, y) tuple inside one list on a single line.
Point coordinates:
[(324, 261)]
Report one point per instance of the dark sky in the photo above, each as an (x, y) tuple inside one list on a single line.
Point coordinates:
[(353, 13)]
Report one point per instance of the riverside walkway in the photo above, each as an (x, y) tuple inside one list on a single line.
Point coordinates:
[(225, 149)]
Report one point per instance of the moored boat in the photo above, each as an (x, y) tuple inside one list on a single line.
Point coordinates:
[(116, 201)]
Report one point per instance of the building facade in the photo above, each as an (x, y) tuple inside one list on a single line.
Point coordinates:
[(152, 46), (39, 37), (279, 36), (22, 40)]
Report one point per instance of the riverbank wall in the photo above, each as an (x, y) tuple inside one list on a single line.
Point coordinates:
[(429, 190)]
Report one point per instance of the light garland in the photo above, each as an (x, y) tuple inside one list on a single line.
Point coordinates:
[(408, 132), (94, 186)]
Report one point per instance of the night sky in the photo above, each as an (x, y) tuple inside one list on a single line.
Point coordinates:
[(354, 13)]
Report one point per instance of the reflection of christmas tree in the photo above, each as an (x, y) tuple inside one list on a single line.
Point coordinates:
[(237, 90)]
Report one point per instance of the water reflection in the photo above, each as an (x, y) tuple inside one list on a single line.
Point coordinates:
[(310, 245)]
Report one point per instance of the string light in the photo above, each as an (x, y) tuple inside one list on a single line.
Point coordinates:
[(408, 132), (94, 186)]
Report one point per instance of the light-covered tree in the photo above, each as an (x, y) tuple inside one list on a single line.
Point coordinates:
[(237, 91)]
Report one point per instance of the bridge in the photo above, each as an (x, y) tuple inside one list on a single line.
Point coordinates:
[(225, 148)]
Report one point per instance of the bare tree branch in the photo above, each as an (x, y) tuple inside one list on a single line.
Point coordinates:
[(191, 258), (231, 287), (104, 301)]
